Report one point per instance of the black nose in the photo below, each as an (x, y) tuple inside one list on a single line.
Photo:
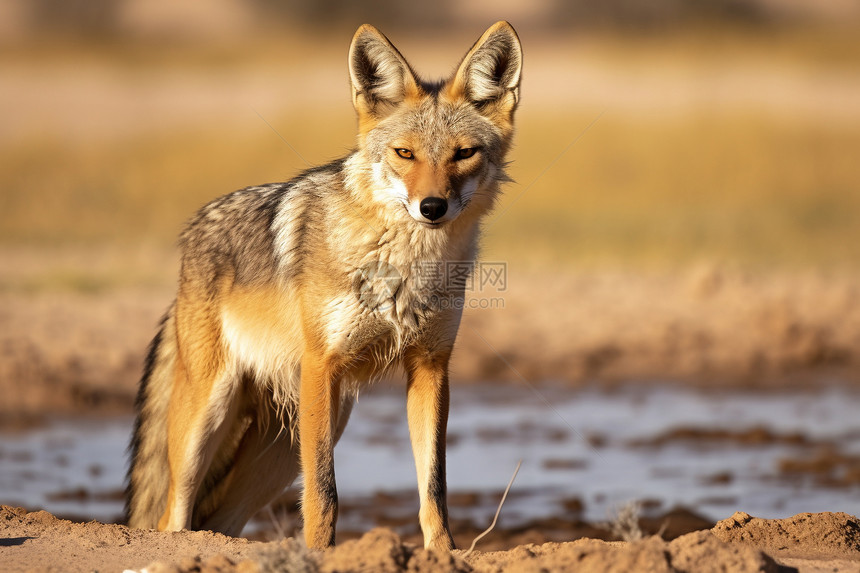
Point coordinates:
[(433, 207)]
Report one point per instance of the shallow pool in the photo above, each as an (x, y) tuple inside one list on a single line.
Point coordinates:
[(583, 445)]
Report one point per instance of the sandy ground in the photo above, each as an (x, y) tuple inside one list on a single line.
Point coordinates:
[(806, 543)]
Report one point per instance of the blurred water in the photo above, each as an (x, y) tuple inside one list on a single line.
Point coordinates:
[(574, 444)]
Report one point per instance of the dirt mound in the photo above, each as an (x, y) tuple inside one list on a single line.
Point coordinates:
[(382, 550), (38, 541), (806, 535), (699, 551), (703, 552), (807, 542)]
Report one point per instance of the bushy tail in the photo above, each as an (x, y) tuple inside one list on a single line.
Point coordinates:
[(147, 479)]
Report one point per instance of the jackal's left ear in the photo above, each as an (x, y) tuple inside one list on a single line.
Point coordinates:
[(380, 75), (489, 75)]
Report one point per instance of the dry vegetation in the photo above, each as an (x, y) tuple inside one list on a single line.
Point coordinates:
[(718, 147), (737, 187)]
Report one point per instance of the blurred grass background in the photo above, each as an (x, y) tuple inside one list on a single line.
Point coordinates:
[(724, 131)]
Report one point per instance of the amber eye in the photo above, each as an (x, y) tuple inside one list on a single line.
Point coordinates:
[(465, 153), (404, 153)]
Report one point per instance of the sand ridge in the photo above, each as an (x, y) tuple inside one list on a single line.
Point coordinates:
[(810, 542)]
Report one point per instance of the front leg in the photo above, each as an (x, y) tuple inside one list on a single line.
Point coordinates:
[(427, 402), (319, 401)]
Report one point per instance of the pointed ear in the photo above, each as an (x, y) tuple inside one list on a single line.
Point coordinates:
[(380, 75), (489, 75)]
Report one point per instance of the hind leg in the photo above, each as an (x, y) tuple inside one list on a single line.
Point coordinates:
[(266, 464), (198, 419)]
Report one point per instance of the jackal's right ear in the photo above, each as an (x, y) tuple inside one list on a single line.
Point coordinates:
[(380, 76)]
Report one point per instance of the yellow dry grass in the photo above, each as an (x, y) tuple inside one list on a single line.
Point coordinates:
[(733, 187), (729, 183)]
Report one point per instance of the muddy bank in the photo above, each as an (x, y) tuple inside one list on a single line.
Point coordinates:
[(708, 325), (805, 543), (73, 352)]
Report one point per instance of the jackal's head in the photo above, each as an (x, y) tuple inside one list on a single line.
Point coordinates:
[(436, 149)]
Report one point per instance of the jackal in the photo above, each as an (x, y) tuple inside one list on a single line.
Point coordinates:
[(293, 296)]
